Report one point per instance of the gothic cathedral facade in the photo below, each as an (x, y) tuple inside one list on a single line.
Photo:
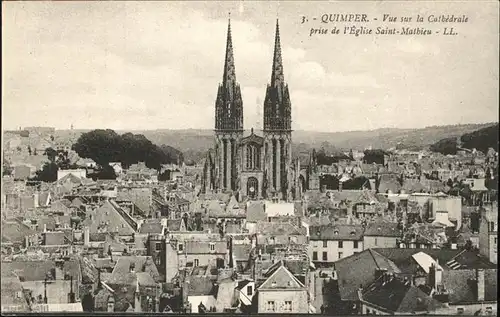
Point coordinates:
[(254, 167)]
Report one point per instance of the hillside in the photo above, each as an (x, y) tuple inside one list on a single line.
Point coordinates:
[(194, 142), (481, 139)]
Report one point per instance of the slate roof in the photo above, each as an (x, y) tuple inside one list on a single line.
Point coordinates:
[(174, 224), (223, 197), (382, 229), (201, 285), (121, 272), (462, 288), (29, 270), (109, 215), (279, 277), (10, 287), (336, 232), (255, 211), (279, 228), (388, 182), (15, 231), (399, 297), (447, 258), (359, 269), (152, 226), (241, 252), (60, 207), (141, 197), (413, 186), (346, 195)]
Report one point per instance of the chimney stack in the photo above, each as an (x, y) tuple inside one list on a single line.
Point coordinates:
[(480, 284), (86, 237), (111, 304)]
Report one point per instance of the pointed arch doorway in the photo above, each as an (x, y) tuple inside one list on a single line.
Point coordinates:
[(252, 187)]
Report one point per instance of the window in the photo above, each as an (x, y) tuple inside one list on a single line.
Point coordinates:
[(180, 246), (376, 242), (288, 306), (341, 244), (158, 246), (325, 243), (315, 256), (196, 262), (368, 312), (325, 256), (340, 255), (460, 311), (355, 244), (270, 306), (249, 290), (212, 247)]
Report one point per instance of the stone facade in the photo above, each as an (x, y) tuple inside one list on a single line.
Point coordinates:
[(255, 167)]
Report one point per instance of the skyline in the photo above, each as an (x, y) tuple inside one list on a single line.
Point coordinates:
[(108, 56)]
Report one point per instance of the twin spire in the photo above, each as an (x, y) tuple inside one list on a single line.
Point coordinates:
[(277, 75), (229, 69)]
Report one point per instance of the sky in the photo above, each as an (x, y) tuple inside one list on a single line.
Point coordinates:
[(157, 65)]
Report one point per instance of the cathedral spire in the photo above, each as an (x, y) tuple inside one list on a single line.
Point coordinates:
[(229, 70), (277, 75)]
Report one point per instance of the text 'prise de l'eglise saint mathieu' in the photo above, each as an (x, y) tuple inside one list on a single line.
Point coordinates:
[(357, 24)]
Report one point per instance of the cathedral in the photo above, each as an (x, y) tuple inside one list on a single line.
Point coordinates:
[(252, 166)]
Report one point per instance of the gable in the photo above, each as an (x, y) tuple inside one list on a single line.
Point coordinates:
[(110, 219), (281, 279)]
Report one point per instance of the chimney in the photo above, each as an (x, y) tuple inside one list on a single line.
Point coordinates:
[(340, 186), (111, 304), (71, 294), (36, 201), (137, 304), (231, 263), (44, 227), (435, 276), (480, 284), (86, 237)]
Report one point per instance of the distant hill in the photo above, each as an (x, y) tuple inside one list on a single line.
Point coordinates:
[(195, 142), (481, 139)]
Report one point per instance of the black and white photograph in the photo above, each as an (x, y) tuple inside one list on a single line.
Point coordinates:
[(250, 157)]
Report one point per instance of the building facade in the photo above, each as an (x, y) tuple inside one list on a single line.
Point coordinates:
[(253, 166)]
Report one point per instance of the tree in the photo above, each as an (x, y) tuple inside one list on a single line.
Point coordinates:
[(105, 146), (445, 146), (48, 173), (51, 154)]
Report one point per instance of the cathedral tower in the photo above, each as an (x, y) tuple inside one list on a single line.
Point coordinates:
[(277, 127), (228, 124)]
